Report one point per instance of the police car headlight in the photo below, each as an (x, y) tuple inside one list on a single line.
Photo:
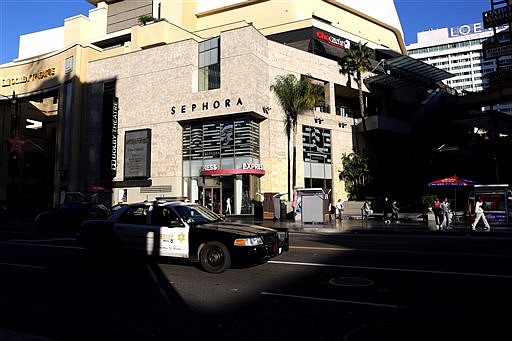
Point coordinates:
[(248, 241)]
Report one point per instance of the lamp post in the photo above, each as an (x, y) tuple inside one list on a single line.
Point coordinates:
[(15, 188), (14, 118)]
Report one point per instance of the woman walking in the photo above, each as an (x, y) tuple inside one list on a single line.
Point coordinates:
[(479, 214)]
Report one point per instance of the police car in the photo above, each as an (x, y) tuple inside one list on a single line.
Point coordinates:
[(184, 230)]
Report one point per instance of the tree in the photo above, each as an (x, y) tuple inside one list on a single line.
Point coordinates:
[(296, 96), (355, 172), (356, 62)]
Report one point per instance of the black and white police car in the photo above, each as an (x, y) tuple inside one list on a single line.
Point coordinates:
[(184, 230)]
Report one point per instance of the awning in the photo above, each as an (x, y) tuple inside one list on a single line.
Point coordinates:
[(232, 171), (404, 70), (490, 120)]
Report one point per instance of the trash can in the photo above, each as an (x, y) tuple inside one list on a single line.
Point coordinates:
[(258, 209), (268, 205)]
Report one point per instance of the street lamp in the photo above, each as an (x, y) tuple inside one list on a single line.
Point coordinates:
[(14, 120)]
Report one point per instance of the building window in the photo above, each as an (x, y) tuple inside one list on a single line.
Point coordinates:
[(229, 141), (209, 64), (316, 144), (68, 66)]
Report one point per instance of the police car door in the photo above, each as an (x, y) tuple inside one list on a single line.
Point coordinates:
[(170, 237), (131, 227)]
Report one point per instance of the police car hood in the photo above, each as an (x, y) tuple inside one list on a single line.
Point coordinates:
[(237, 228)]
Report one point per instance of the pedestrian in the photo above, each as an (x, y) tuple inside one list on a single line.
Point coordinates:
[(394, 212), (339, 207), (332, 210), (228, 206), (366, 210), (436, 208), (445, 213), (479, 214), (386, 211)]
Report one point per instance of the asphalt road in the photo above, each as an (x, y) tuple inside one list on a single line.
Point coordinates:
[(329, 286)]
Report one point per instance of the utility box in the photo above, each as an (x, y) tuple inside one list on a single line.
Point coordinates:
[(314, 205)]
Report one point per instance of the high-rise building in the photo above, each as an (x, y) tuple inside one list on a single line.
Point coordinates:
[(459, 51)]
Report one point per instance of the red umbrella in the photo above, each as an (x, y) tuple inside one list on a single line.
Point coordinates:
[(453, 181)]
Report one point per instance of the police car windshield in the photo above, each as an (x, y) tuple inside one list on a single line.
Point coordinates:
[(196, 214)]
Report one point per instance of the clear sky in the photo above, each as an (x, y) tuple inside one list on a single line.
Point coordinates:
[(18, 17)]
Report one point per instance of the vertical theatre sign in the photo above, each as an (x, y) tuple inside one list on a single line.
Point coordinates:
[(497, 16), (137, 154), (115, 133)]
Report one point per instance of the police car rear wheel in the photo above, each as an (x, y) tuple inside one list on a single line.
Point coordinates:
[(215, 257)]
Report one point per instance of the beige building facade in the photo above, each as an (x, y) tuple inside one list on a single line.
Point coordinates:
[(181, 105)]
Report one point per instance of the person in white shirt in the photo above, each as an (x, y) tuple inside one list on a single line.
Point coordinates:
[(445, 211), (339, 207), (228, 206), (479, 214)]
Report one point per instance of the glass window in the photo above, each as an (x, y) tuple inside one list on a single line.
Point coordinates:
[(163, 216), (135, 215), (209, 65), (221, 139), (316, 144)]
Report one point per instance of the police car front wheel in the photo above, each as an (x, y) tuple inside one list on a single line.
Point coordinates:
[(215, 257)]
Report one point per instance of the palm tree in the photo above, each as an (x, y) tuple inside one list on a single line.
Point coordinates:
[(357, 61), (296, 96), (355, 173)]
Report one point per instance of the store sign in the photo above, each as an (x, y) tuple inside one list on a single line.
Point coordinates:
[(333, 40), (500, 78), (496, 49), (115, 132), (206, 106), (497, 17), (247, 168), (40, 75), (209, 167), (252, 166)]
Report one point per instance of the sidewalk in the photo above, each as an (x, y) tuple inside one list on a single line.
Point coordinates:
[(10, 335), (372, 225)]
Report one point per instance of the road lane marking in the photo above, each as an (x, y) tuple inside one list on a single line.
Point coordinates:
[(24, 266), (157, 282), (28, 243), (394, 306), (42, 240), (321, 248), (456, 273)]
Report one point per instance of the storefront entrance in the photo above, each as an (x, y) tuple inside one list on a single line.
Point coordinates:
[(220, 198), (213, 199)]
